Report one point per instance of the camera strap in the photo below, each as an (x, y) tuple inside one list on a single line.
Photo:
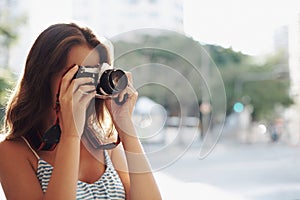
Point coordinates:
[(52, 136)]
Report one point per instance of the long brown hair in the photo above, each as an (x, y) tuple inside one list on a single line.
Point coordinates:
[(29, 104)]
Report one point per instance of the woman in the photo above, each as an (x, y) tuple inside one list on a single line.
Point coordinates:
[(72, 169)]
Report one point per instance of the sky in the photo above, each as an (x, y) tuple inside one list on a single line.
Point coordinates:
[(244, 25)]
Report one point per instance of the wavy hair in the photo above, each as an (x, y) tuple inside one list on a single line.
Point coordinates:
[(30, 102)]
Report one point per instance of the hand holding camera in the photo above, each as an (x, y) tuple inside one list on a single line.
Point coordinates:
[(109, 82)]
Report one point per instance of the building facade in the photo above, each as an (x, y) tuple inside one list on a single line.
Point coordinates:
[(294, 67)]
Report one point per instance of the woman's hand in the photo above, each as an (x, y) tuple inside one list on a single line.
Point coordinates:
[(75, 96), (122, 114)]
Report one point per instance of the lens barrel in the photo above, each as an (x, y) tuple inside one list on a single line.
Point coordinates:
[(112, 81)]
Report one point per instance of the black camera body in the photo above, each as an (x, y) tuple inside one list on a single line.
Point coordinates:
[(107, 81), (88, 71)]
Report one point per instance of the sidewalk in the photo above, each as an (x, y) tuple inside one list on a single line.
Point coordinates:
[(233, 170), (171, 188)]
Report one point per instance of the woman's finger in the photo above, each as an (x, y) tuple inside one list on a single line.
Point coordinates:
[(86, 98), (129, 77), (83, 95), (67, 78), (86, 89), (79, 82)]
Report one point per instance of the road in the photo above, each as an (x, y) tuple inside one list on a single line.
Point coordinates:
[(233, 170)]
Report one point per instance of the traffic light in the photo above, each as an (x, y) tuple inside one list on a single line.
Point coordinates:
[(238, 107)]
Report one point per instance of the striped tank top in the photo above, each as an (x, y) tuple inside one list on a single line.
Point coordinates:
[(109, 186)]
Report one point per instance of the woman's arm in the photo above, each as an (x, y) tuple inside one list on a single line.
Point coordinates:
[(75, 96), (63, 182), (142, 182)]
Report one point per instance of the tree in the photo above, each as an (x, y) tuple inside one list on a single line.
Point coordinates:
[(262, 93), (10, 24), (7, 81), (263, 85), (161, 65)]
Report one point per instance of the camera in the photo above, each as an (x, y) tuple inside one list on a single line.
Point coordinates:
[(108, 81)]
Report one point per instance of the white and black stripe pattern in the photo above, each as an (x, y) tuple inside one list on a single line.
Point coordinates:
[(109, 186)]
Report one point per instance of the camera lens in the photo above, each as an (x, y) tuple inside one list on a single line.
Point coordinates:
[(118, 80), (112, 81)]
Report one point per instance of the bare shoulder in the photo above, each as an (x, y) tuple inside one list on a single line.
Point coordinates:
[(16, 152), (10, 147), (16, 148), (17, 170)]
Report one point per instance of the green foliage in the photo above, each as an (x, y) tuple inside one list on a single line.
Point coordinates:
[(154, 59), (265, 95), (7, 82), (10, 25), (225, 57), (264, 84)]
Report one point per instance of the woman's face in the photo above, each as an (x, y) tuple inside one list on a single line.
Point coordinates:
[(79, 55)]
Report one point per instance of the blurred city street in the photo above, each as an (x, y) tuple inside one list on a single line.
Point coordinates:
[(233, 170)]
